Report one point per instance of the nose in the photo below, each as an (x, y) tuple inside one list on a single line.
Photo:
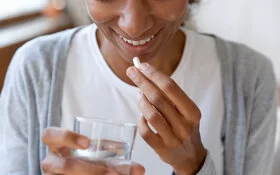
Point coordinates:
[(135, 18)]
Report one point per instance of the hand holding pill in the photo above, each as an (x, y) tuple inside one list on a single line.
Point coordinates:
[(174, 116)]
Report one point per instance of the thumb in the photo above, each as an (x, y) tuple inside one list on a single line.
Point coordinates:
[(137, 169)]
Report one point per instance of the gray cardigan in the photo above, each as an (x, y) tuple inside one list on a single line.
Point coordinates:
[(31, 101)]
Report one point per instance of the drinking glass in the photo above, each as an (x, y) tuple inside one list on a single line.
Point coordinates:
[(109, 139)]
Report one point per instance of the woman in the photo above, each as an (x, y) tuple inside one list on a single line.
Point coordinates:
[(211, 102)]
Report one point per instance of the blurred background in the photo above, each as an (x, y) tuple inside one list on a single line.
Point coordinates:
[(252, 22)]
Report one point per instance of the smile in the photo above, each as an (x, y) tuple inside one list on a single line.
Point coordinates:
[(137, 43)]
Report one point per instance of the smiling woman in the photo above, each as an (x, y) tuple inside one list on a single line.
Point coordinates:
[(203, 105)]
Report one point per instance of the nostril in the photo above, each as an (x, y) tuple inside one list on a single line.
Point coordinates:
[(134, 29), (135, 24)]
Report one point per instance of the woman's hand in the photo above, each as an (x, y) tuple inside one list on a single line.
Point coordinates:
[(173, 115), (59, 160)]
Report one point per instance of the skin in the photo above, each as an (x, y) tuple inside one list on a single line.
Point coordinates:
[(162, 102), (136, 20), (59, 161), (174, 116)]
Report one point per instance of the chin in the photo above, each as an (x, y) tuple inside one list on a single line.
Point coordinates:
[(143, 58)]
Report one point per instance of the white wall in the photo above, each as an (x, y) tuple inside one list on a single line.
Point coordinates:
[(253, 22)]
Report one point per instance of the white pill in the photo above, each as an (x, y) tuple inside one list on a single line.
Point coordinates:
[(136, 62)]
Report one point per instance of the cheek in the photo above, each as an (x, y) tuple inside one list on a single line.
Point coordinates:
[(101, 13), (176, 13)]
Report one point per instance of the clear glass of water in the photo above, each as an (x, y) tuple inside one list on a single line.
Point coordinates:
[(110, 140)]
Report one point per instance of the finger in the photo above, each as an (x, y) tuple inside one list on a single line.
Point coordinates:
[(173, 92), (56, 138), (113, 146), (156, 120), (62, 165), (126, 167), (148, 135), (65, 152), (137, 169), (160, 101)]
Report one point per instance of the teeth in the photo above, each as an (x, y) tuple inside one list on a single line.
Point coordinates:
[(138, 43), (142, 42), (149, 39)]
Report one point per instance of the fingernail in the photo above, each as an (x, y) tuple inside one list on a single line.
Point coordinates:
[(131, 72), (83, 142), (144, 67)]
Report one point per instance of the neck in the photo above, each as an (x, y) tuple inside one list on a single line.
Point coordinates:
[(171, 55)]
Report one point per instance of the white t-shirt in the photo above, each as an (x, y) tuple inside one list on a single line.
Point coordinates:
[(91, 89)]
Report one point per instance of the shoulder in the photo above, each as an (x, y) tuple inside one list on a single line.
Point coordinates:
[(244, 65), (242, 57), (44, 47), (36, 62), (42, 53)]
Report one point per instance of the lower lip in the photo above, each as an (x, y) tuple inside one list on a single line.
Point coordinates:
[(137, 50)]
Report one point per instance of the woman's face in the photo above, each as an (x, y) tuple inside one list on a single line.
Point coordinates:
[(140, 28)]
